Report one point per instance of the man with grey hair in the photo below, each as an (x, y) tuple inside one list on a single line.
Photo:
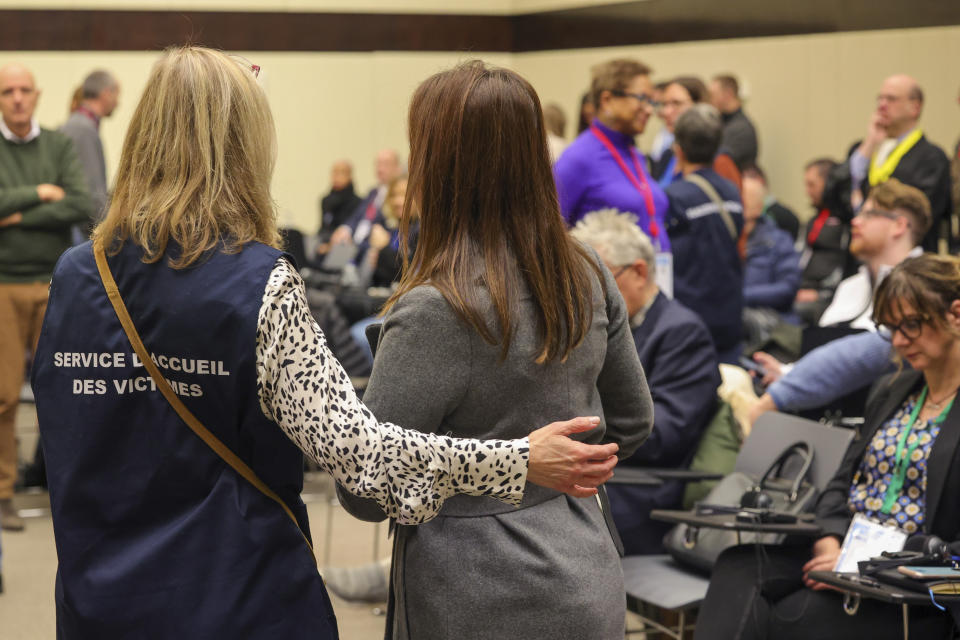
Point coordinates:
[(100, 93), (679, 361), (704, 223)]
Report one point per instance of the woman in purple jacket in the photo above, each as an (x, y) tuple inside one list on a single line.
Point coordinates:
[(602, 169)]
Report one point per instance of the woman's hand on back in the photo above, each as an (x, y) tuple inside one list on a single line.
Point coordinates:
[(559, 463)]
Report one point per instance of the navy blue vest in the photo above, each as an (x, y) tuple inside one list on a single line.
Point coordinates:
[(157, 537)]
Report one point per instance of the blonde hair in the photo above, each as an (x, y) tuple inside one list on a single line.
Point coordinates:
[(391, 191), (196, 162)]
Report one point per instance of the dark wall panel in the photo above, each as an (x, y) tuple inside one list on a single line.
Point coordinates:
[(629, 23), (241, 31)]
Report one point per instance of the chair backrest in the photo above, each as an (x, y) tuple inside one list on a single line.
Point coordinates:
[(294, 245), (372, 332), (773, 432)]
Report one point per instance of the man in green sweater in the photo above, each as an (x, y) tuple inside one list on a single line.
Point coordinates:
[(42, 193)]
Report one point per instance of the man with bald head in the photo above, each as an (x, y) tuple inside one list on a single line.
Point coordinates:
[(895, 147), (42, 193), (337, 206)]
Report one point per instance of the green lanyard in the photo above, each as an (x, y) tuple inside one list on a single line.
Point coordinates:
[(903, 461)]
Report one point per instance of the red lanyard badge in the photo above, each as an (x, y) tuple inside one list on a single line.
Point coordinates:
[(639, 181), (817, 226)]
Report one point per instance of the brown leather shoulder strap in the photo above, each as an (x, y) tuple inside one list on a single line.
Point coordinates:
[(711, 193), (228, 456)]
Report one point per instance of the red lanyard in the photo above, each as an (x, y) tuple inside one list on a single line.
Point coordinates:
[(639, 181), (90, 114), (817, 226)]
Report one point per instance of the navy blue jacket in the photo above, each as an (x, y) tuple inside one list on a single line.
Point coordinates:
[(772, 271), (361, 212), (680, 362), (157, 537), (707, 271)]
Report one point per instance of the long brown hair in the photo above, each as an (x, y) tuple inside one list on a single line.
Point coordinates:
[(196, 162), (489, 216)]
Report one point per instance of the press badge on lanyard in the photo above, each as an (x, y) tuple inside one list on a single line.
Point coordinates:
[(664, 259), (664, 274)]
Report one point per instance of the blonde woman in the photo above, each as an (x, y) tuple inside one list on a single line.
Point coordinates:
[(177, 514)]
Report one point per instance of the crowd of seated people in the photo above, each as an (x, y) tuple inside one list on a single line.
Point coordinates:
[(713, 267), (713, 270), (738, 263), (804, 293), (355, 258), (724, 246)]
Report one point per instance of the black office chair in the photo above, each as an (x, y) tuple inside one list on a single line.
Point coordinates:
[(657, 582)]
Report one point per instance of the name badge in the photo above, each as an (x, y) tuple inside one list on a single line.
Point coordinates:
[(867, 539), (664, 262)]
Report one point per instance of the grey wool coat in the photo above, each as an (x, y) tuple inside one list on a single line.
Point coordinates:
[(483, 569), (86, 140)]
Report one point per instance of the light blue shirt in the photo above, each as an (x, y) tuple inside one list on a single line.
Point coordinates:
[(832, 371)]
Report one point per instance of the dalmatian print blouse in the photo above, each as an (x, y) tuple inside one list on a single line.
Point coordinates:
[(307, 393)]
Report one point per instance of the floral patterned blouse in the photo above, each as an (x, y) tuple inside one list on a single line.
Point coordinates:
[(876, 470)]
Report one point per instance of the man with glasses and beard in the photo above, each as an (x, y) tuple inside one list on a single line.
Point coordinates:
[(889, 228)]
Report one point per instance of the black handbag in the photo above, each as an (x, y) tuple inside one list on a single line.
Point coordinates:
[(776, 493)]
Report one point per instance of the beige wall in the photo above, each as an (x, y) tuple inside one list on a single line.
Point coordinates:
[(326, 106), (808, 95)]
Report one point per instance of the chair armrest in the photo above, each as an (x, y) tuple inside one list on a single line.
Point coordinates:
[(634, 476), (684, 475)]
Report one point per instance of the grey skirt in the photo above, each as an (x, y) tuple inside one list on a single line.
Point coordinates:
[(548, 571)]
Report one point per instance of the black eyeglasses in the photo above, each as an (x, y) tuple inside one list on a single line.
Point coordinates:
[(910, 327), (642, 97), (621, 271)]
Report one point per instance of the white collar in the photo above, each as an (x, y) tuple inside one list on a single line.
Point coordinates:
[(637, 319), (14, 138), (884, 269)]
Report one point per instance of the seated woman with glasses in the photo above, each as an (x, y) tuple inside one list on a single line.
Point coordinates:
[(904, 471), (602, 168)]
